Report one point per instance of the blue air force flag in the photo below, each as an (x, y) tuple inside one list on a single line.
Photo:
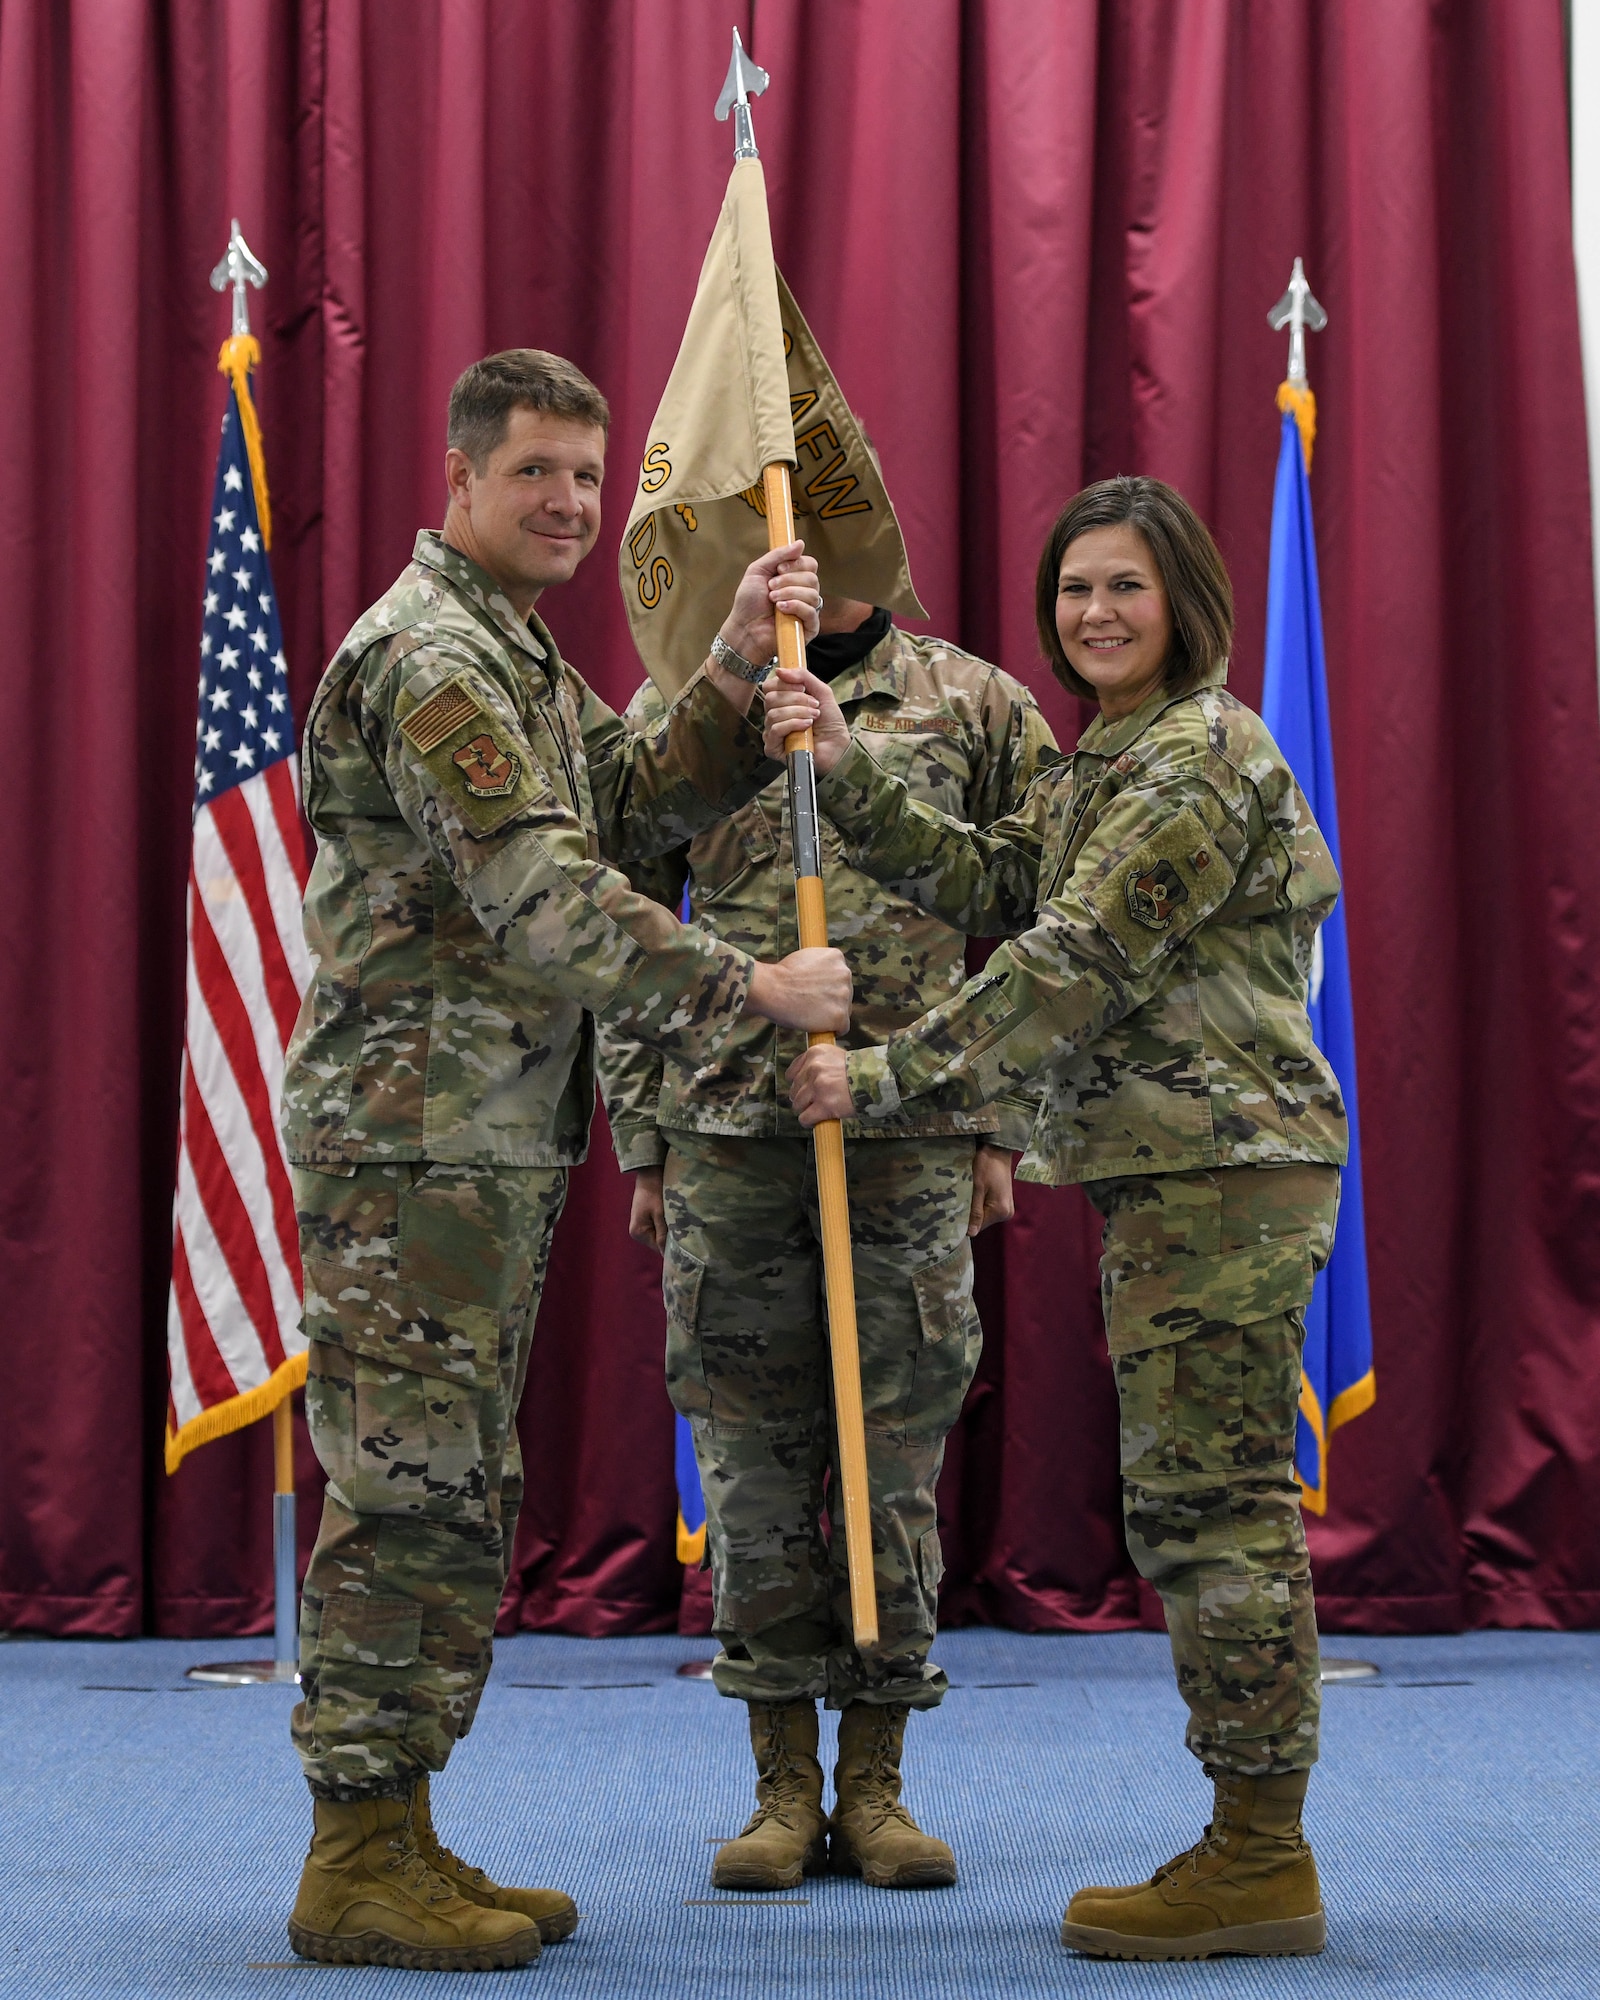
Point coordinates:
[(1337, 1381)]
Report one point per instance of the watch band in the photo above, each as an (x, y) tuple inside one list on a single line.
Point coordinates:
[(736, 663)]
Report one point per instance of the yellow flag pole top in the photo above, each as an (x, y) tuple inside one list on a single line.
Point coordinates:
[(1297, 310), (241, 351)]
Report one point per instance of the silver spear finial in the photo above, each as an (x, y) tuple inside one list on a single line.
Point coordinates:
[(745, 80), (241, 266), (1297, 310)]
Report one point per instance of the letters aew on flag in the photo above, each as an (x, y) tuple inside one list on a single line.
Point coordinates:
[(1337, 1382), (749, 387), (234, 1344)]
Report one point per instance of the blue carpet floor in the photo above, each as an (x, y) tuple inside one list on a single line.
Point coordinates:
[(152, 1831)]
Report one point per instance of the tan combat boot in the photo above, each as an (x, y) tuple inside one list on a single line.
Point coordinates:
[(367, 1897), (1249, 1887), (552, 1910), (787, 1835), (872, 1834)]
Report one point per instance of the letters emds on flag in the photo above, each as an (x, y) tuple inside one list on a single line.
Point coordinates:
[(1337, 1382), (750, 387), (234, 1344)]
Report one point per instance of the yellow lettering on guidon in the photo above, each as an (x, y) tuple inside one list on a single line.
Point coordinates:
[(832, 486), (656, 470), (654, 577)]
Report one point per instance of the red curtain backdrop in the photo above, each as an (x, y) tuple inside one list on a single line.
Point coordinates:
[(1038, 245)]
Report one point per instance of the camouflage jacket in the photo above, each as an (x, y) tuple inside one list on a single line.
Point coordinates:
[(464, 785), (1162, 892), (961, 735)]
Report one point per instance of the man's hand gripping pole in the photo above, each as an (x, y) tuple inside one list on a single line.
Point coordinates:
[(832, 1199)]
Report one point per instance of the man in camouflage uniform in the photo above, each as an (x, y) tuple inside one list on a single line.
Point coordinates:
[(726, 1187), (468, 791)]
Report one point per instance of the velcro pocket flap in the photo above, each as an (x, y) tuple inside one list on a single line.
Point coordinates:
[(402, 1325), (376, 1631), (681, 1279), (475, 754), (1234, 1288), (1171, 883), (1250, 1609), (944, 1296)]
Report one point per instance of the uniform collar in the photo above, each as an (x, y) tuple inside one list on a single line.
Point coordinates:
[(883, 671), (475, 584), (1110, 739)]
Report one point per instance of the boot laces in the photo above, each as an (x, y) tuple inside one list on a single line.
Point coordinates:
[(408, 1864), (441, 1857), (782, 1788), (883, 1780), (1213, 1840)]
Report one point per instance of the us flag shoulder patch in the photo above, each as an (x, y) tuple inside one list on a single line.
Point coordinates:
[(431, 721)]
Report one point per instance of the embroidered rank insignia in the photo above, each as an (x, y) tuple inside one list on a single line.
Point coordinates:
[(489, 771), (431, 721), (1154, 896)]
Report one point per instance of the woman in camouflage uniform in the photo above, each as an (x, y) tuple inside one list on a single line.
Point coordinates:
[(1162, 893)]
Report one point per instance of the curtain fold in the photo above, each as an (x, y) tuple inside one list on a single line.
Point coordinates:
[(1038, 246)]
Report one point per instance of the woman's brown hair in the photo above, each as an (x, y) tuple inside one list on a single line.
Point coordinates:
[(1191, 568)]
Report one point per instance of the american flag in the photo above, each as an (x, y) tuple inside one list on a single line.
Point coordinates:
[(233, 1315)]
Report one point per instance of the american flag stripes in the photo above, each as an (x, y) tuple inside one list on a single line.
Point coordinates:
[(233, 1314)]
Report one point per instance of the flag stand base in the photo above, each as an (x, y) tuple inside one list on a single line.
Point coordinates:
[(1348, 1670), (284, 1669), (246, 1673)]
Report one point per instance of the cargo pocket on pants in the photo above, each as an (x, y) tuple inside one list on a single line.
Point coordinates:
[(418, 1446), (1246, 1627), (951, 1344), (370, 1631), (681, 1279)]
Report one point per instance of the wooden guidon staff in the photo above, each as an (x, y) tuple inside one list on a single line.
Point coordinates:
[(832, 1199), (745, 80)]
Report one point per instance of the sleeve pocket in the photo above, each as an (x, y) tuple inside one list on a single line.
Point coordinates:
[(375, 1631), (1166, 888)]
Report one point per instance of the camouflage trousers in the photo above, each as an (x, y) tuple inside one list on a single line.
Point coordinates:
[(1205, 1278), (748, 1364), (422, 1284)]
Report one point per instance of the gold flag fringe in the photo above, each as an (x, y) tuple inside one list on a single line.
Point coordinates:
[(240, 353), (1304, 405), (236, 1412)]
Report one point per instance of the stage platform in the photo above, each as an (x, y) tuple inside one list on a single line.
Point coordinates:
[(152, 1829)]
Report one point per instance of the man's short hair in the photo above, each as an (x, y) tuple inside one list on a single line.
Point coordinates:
[(522, 378)]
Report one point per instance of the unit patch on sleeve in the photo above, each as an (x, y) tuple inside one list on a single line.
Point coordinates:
[(1154, 895), (489, 771)]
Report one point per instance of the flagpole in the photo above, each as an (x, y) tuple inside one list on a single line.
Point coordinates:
[(241, 267), (1300, 311), (833, 1200)]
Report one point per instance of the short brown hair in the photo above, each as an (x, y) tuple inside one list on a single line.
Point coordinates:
[(522, 378), (1191, 568)]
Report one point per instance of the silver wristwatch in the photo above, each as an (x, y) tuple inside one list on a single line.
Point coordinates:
[(736, 663)]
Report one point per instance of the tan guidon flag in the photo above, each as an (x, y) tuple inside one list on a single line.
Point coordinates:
[(749, 387)]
